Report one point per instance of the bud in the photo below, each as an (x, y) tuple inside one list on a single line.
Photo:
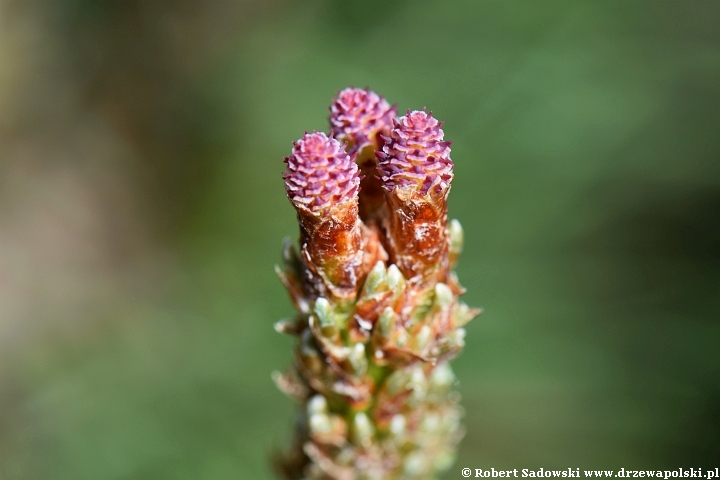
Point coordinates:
[(422, 338), (362, 430), (442, 377), (416, 172), (324, 314), (416, 156), (320, 174), (387, 323), (395, 279), (358, 360), (320, 423), (361, 118), (375, 278), (322, 182), (443, 295), (456, 241), (458, 337), (463, 314), (317, 404)]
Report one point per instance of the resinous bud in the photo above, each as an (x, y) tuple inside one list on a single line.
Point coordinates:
[(456, 237), (395, 279), (416, 156), (442, 376), (320, 174), (423, 338), (323, 310), (317, 404), (358, 116), (358, 359), (363, 430), (326, 318), (416, 170), (375, 278), (458, 337), (443, 295), (463, 314), (386, 322), (320, 423)]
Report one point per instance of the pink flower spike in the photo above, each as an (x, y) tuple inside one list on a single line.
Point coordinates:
[(415, 155), (359, 116), (320, 174)]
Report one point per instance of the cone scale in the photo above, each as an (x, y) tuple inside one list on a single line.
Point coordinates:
[(378, 310)]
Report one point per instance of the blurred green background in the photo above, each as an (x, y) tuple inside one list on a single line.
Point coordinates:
[(142, 210)]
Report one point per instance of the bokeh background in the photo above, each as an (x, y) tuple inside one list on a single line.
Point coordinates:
[(142, 210)]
